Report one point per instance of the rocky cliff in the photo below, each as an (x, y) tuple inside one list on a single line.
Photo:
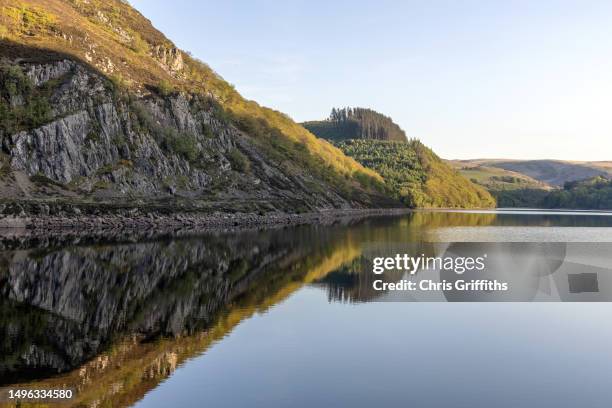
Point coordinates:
[(102, 144), (98, 106)]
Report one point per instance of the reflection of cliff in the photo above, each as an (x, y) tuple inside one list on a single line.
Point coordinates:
[(112, 321), (100, 303), (84, 297)]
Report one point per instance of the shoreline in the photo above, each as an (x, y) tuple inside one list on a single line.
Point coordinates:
[(178, 218), (47, 231)]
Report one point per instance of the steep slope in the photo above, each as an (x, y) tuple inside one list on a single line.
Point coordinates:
[(97, 105), (553, 172), (416, 175), (413, 173), (356, 123)]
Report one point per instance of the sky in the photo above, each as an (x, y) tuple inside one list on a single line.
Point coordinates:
[(471, 79)]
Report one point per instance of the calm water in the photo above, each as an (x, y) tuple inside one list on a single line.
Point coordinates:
[(289, 317)]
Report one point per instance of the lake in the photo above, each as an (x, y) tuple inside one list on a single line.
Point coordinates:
[(291, 317)]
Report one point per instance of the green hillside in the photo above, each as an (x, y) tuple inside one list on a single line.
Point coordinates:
[(356, 123), (541, 183), (416, 175), (594, 193), (412, 172), (510, 189)]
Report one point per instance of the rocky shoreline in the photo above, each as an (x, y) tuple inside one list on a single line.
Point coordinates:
[(28, 230)]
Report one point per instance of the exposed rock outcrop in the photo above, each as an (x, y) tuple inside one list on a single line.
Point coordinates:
[(170, 58), (102, 144)]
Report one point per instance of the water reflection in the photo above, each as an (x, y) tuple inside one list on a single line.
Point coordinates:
[(112, 320), (134, 312)]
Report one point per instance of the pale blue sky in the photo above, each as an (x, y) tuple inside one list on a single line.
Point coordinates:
[(472, 79)]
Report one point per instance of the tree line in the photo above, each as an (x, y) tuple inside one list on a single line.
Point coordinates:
[(356, 123), (594, 193)]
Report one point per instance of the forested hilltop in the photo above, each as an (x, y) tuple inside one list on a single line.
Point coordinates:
[(412, 172), (356, 123)]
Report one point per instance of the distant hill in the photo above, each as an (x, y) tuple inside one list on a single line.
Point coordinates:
[(356, 123), (572, 184), (416, 175), (552, 172), (510, 189)]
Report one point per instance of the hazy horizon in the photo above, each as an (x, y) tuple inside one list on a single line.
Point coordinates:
[(471, 80)]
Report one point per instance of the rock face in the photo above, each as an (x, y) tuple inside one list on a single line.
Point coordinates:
[(39, 74), (171, 59), (105, 145)]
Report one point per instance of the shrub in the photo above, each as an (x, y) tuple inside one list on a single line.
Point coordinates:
[(207, 131), (40, 178), (31, 20), (35, 109), (165, 88), (183, 144), (5, 170), (239, 161), (139, 45)]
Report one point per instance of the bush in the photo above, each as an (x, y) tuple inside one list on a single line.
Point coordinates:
[(239, 161), (35, 109), (40, 178), (182, 144), (139, 45), (165, 88)]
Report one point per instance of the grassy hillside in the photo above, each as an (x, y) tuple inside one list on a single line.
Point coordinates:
[(514, 189), (552, 172), (356, 123), (119, 42), (416, 175), (510, 189)]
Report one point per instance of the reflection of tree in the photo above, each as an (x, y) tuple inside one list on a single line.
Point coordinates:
[(354, 282), (436, 219)]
